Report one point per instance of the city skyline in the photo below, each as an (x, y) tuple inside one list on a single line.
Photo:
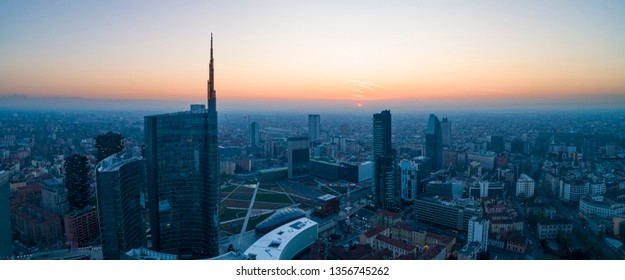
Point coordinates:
[(347, 55)]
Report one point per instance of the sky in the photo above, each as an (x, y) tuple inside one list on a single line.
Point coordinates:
[(316, 54)]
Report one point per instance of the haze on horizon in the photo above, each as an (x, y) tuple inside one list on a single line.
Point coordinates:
[(347, 55)]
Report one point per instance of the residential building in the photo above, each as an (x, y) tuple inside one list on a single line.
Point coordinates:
[(452, 214), (551, 229), (82, 226), (397, 248), (600, 207), (54, 196), (478, 232), (524, 186)]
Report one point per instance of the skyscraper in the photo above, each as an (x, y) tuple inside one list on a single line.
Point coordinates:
[(182, 169), (120, 180), (446, 132), (254, 135), (385, 185), (314, 122), (298, 156), (6, 246), (434, 143)]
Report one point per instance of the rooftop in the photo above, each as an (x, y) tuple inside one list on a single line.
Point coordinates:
[(115, 161), (272, 245), (375, 231), (395, 243), (524, 177)]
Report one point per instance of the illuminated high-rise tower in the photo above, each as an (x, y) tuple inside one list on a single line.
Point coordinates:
[(182, 169)]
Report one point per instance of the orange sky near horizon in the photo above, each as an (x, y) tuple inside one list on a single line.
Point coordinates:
[(360, 51)]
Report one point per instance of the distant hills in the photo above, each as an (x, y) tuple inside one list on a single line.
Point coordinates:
[(24, 102), (590, 102)]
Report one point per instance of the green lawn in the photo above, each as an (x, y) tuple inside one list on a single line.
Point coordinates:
[(273, 198), (228, 189), (230, 214)]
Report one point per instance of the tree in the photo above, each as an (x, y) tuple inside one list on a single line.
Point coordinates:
[(108, 144), (77, 181)]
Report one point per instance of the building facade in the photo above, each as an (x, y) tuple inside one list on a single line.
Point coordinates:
[(254, 135), (551, 229), (478, 232), (6, 246), (82, 225), (434, 143), (455, 215), (386, 175), (120, 180), (298, 157), (314, 127), (446, 132), (408, 172), (54, 196), (524, 186)]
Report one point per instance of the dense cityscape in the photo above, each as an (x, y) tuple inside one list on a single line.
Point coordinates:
[(456, 185)]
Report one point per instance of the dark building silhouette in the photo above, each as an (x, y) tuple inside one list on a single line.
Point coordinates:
[(182, 169), (108, 144), (77, 181), (520, 147), (385, 174), (446, 132), (120, 180), (314, 127), (298, 156), (434, 143), (6, 246), (496, 144), (254, 135)]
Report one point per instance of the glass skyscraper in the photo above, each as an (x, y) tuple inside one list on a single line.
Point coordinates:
[(182, 164), (120, 181), (434, 143), (385, 185)]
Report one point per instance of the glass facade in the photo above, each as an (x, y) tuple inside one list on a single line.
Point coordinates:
[(182, 170), (120, 181)]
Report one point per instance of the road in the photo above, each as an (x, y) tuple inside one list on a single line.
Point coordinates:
[(572, 215)]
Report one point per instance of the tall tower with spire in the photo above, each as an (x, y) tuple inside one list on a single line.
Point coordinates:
[(182, 169)]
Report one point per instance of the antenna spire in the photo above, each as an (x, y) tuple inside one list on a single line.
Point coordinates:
[(212, 98)]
